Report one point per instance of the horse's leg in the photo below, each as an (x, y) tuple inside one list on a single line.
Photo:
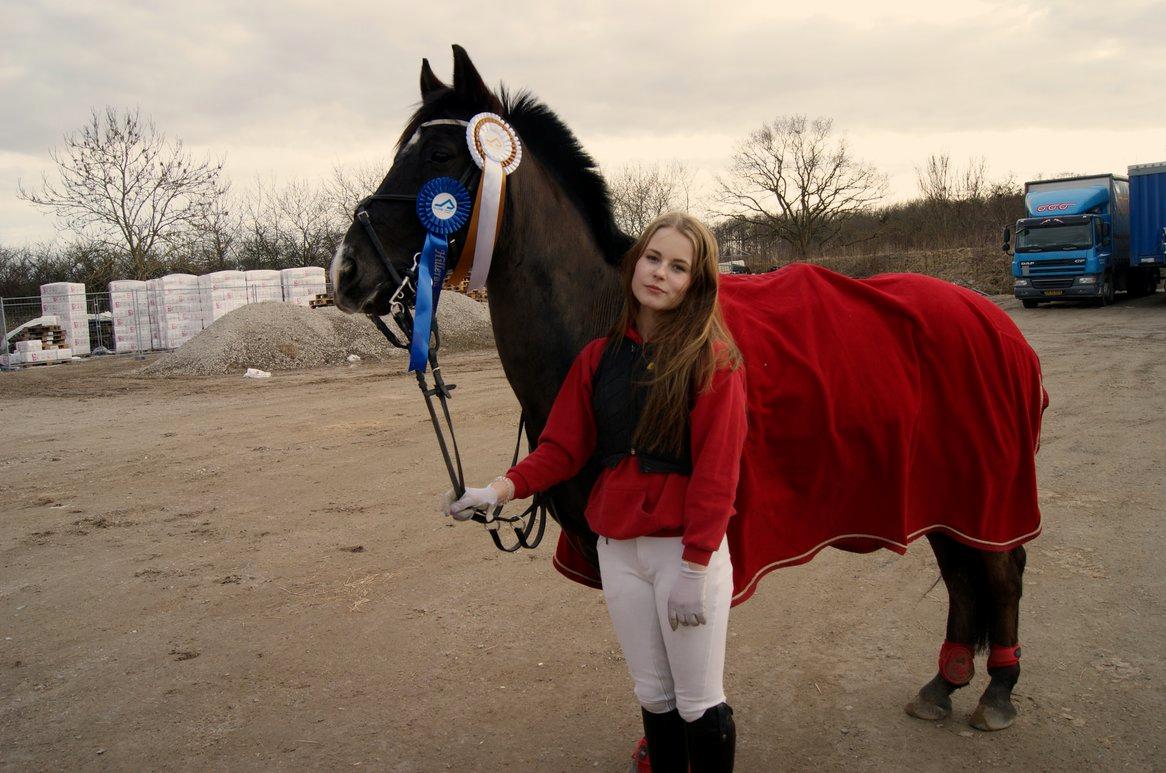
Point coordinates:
[(961, 575), (1003, 578)]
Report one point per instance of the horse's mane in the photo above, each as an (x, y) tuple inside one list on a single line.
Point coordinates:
[(544, 135)]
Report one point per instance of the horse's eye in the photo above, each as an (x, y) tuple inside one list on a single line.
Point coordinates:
[(440, 156)]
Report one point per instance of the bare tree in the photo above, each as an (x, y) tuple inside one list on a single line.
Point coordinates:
[(940, 181), (123, 183), (308, 227), (641, 192), (211, 242), (259, 235), (349, 184), (794, 180)]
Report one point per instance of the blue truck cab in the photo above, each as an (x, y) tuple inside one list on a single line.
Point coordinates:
[(1074, 243)]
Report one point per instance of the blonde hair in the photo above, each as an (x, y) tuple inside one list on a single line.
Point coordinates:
[(691, 341)]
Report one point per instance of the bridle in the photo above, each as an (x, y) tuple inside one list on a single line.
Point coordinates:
[(533, 520)]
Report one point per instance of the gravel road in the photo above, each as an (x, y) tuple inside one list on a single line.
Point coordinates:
[(216, 573)]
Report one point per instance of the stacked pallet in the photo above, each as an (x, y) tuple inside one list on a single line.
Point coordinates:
[(263, 285), (222, 292), (175, 306), (463, 287), (38, 343), (130, 309), (66, 302), (321, 300), (301, 285)]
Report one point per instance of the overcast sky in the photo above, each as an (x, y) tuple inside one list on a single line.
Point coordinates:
[(288, 89)]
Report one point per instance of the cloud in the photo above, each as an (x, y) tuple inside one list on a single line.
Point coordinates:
[(305, 85)]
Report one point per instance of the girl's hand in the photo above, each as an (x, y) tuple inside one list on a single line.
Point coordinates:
[(499, 492), (686, 599)]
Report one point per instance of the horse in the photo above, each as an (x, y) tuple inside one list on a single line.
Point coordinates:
[(553, 286)]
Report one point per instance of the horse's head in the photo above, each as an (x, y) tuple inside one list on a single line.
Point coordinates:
[(432, 145)]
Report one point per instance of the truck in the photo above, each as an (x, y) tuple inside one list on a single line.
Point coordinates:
[(1074, 243), (1148, 220)]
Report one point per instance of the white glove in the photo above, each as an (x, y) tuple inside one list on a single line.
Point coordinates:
[(474, 498), (500, 491), (686, 599)]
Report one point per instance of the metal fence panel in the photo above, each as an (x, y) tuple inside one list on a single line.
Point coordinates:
[(146, 317)]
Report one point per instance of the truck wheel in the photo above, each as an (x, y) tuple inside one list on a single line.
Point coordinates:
[(1105, 292), (1029, 303)]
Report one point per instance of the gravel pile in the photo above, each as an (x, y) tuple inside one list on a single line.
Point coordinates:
[(282, 336)]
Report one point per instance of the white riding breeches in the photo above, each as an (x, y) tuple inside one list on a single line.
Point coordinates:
[(681, 669)]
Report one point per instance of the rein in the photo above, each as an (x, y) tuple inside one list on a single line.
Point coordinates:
[(533, 520)]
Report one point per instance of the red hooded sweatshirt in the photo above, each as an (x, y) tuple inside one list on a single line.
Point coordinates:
[(627, 502)]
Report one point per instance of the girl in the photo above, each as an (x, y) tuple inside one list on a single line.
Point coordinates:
[(660, 402)]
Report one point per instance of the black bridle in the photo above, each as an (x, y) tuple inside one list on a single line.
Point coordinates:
[(533, 520)]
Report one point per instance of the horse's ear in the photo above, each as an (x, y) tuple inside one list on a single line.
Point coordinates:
[(469, 85), (429, 82)]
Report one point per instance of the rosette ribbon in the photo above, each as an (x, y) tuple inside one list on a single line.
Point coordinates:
[(443, 205), (495, 148)]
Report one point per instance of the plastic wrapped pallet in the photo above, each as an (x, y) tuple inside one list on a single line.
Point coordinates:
[(175, 303), (263, 285), (222, 292), (129, 306), (66, 300), (301, 285), (154, 312)]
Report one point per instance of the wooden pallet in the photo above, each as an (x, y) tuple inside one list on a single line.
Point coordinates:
[(320, 301), (38, 364), (463, 288), (50, 336)]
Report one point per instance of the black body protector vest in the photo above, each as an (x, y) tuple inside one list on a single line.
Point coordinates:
[(619, 390)]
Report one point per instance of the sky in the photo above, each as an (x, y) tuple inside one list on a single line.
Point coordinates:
[(289, 90)]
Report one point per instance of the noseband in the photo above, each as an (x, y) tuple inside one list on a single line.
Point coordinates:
[(533, 520)]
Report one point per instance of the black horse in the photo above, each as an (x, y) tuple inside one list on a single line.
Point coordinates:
[(557, 250)]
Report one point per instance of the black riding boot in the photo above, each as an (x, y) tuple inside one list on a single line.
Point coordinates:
[(665, 734), (712, 741)]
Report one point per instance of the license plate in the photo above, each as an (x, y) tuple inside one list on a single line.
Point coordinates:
[(1054, 292)]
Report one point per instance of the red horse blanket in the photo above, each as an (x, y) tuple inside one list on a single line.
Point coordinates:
[(879, 410)]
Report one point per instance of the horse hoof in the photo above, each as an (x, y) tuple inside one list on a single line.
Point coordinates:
[(921, 708), (989, 717), (929, 707), (932, 703)]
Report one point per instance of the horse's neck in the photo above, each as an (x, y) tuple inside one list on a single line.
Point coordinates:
[(550, 289)]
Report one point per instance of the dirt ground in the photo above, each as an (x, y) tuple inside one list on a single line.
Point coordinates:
[(227, 574)]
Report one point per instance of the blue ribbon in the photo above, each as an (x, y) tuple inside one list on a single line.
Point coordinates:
[(443, 205)]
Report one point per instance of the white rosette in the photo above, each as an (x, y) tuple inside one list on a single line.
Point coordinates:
[(495, 148)]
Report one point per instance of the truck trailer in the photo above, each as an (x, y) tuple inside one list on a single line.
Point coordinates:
[(1148, 220)]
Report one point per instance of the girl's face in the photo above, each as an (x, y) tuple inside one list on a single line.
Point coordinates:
[(664, 271)]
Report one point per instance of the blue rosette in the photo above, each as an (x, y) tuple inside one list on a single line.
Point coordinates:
[(443, 205)]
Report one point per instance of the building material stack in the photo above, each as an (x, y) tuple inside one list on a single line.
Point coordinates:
[(129, 306), (463, 287), (176, 313), (66, 302), (302, 285), (222, 292), (38, 342), (263, 285)]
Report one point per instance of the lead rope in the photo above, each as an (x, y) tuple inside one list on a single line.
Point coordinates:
[(534, 518)]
